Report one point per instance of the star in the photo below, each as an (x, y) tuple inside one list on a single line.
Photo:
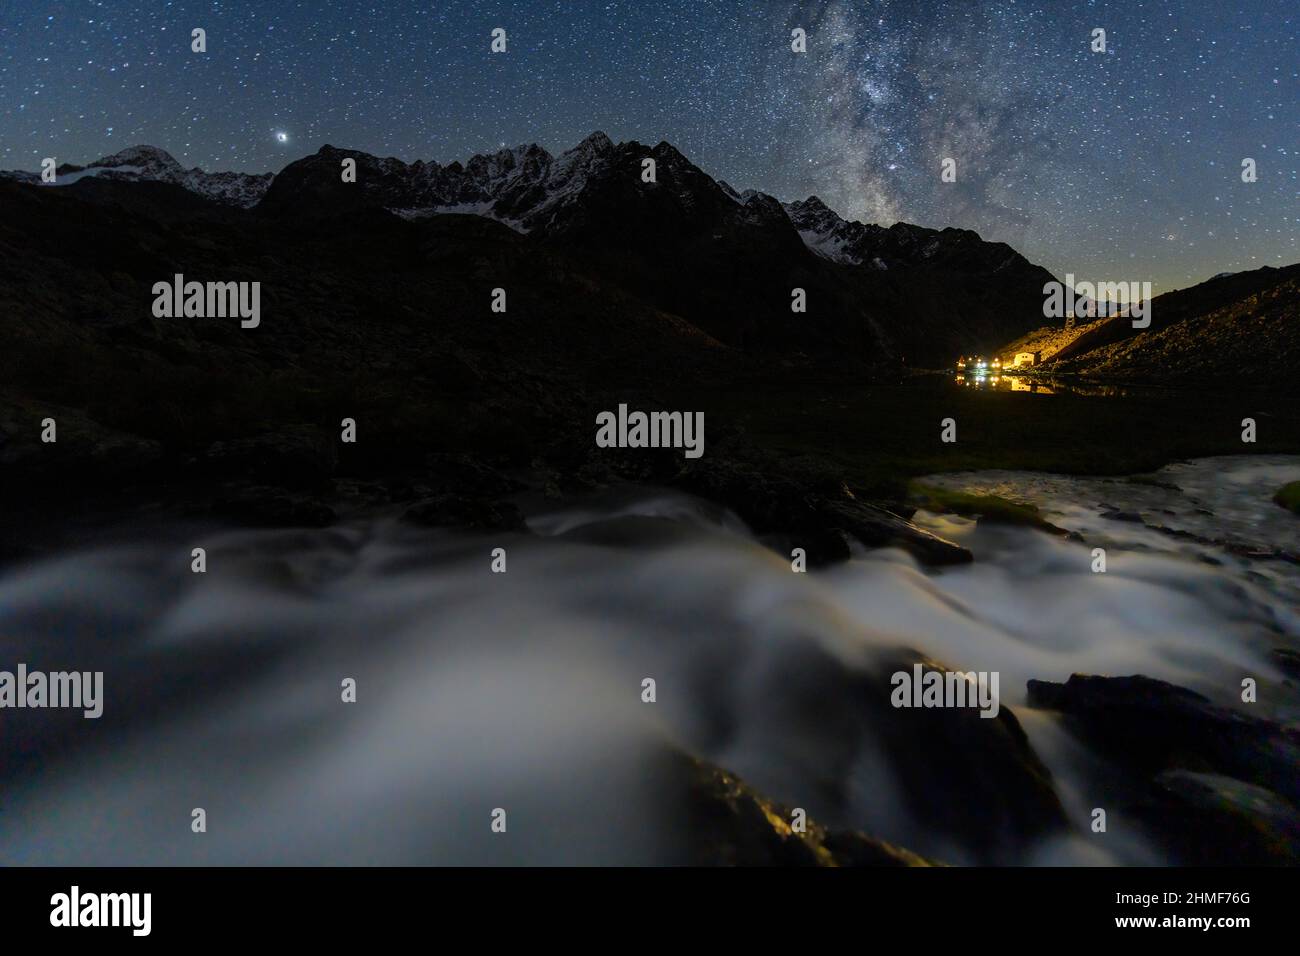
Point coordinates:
[(863, 119)]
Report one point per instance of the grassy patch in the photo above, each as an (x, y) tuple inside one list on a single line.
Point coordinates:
[(1288, 496), (984, 507)]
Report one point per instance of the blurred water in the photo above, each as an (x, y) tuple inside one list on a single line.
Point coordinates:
[(522, 690)]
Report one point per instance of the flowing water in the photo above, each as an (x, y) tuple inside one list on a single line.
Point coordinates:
[(523, 690)]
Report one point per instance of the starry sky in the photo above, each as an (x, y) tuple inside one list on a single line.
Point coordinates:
[(1117, 166)]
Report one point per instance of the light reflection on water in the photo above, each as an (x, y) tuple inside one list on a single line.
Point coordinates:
[(981, 381)]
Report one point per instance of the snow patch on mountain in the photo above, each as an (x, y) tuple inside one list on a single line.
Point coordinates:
[(123, 172), (824, 232), (151, 164), (528, 190), (484, 209)]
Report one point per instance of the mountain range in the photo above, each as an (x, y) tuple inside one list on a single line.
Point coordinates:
[(530, 190), (150, 164), (719, 261), (725, 261)]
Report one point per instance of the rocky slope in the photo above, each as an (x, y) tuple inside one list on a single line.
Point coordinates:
[(1237, 329), (1241, 331), (1210, 784)]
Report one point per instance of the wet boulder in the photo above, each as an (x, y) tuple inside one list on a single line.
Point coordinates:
[(731, 824), (831, 736), (1210, 785), (1207, 819), (811, 509), (975, 777), (1152, 726)]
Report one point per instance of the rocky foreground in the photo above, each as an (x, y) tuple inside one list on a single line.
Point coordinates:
[(1214, 786), (1210, 786)]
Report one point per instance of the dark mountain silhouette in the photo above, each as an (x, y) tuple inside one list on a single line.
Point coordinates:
[(724, 261)]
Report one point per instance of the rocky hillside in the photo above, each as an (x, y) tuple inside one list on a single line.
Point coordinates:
[(1240, 329), (1252, 343), (1050, 340)]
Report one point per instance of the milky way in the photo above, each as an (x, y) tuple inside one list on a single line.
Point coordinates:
[(1121, 165)]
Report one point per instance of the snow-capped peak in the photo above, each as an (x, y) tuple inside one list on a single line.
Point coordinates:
[(151, 164), (825, 233), (144, 157)]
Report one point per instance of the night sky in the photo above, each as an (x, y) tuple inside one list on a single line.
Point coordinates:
[(1117, 166)]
